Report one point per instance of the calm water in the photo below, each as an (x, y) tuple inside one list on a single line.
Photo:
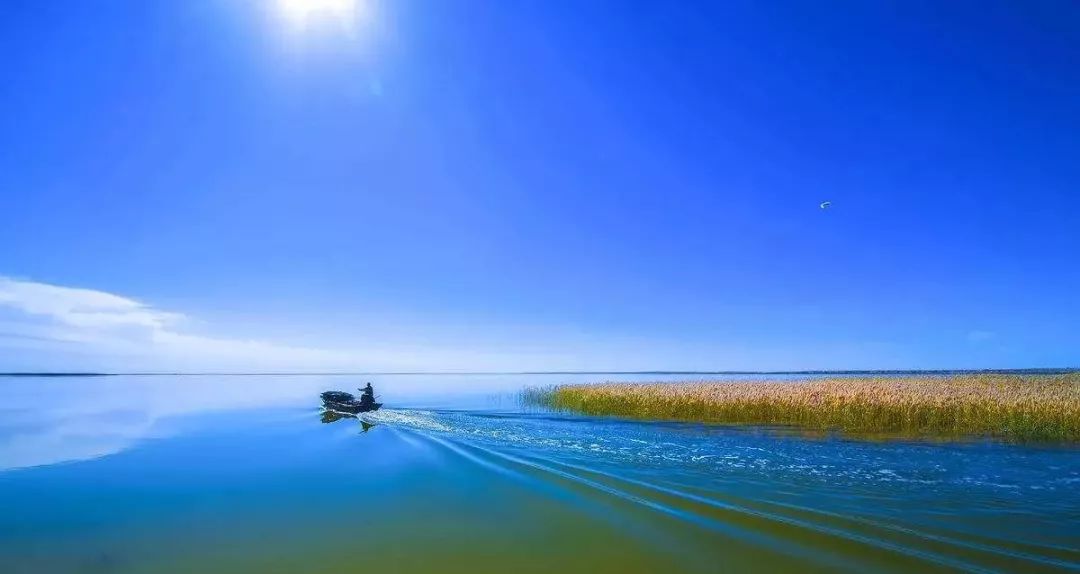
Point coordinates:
[(240, 474)]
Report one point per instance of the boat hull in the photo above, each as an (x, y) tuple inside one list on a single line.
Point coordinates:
[(351, 408)]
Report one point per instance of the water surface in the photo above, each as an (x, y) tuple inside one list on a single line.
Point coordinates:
[(242, 474)]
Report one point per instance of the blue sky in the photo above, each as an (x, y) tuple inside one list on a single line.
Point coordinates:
[(217, 184)]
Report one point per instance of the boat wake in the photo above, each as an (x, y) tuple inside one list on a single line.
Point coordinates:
[(752, 484)]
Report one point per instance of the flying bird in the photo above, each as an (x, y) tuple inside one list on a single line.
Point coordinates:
[(826, 204)]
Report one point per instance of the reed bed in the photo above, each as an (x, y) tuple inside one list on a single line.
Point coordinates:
[(1013, 407)]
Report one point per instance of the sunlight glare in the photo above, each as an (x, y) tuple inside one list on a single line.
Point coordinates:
[(299, 12)]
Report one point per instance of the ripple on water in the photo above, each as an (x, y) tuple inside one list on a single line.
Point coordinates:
[(941, 502)]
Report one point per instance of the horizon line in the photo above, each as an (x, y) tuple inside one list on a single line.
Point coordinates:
[(1028, 370)]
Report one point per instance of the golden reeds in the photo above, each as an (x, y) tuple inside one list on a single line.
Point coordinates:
[(1014, 407)]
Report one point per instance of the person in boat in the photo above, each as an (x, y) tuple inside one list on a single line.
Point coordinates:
[(367, 396)]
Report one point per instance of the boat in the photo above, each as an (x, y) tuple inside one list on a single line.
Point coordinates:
[(342, 402)]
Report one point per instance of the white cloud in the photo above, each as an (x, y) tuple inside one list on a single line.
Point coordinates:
[(81, 307), (77, 329), (109, 325), (47, 327)]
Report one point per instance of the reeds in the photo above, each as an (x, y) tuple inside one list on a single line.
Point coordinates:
[(1013, 407)]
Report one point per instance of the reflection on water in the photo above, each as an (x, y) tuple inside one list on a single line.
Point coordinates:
[(334, 416), (236, 475), (47, 420), (329, 416)]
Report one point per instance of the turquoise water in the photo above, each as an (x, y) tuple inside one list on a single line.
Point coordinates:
[(241, 474)]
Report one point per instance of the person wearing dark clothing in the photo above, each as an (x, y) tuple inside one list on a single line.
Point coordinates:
[(367, 396)]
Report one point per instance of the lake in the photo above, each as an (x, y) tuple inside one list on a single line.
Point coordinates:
[(241, 474)]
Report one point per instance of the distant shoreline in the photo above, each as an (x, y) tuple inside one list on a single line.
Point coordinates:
[(1025, 371)]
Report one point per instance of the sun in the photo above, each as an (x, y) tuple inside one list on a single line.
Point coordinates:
[(300, 12)]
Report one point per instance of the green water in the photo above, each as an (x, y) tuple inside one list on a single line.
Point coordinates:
[(241, 474)]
